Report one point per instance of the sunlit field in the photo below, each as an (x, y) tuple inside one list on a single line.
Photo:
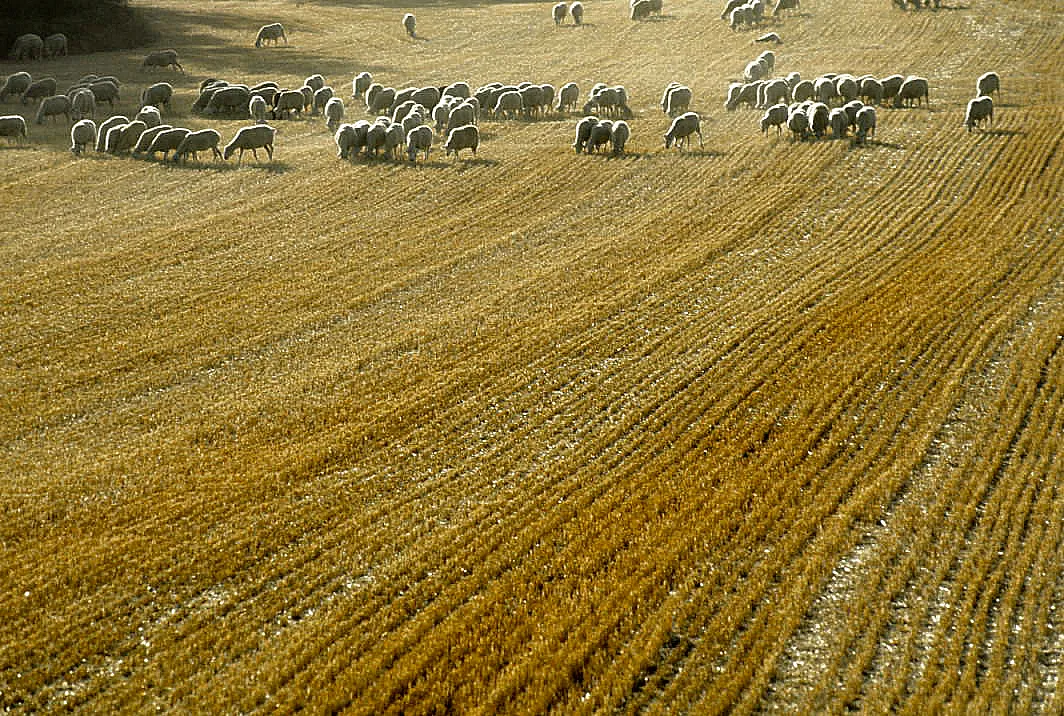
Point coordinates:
[(764, 426)]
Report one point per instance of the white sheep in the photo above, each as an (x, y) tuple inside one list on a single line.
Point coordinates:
[(274, 31), (233, 99), (583, 132), (871, 90), (360, 84), (729, 6), (257, 109), (768, 57), (287, 101), (196, 142), (334, 113), (82, 134), (53, 107), (774, 92), (376, 136), (150, 116), (255, 137), (105, 127), (559, 11), (418, 139), (166, 141), (677, 100), (380, 101), (824, 89), (28, 46), (460, 116), (775, 116), (466, 137), (162, 58), (315, 82), (82, 104), (847, 87), (410, 24), (979, 110), (123, 137), (568, 97), (739, 93), (577, 11), (912, 90), (802, 91), (13, 125), (147, 136), (866, 123), (682, 128), (350, 138), (987, 84), (891, 85), (15, 84), (157, 95), (620, 135)]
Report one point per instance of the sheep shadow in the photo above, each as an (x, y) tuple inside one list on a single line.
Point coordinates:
[(1004, 132), (474, 161), (872, 144)]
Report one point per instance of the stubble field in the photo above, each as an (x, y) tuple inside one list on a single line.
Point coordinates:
[(766, 427)]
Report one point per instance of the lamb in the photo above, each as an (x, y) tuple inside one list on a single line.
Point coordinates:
[(147, 136), (360, 84), (798, 123), (124, 137), (583, 132), (467, 137), (912, 90), (418, 139), (287, 101), (257, 109), (13, 125), (409, 24), (641, 10), (619, 137), (28, 46), (776, 116), (677, 100), (255, 137), (196, 142), (105, 91), (273, 31), (334, 113), (601, 135), (105, 127), (839, 122), (866, 123), (55, 45), (53, 107), (987, 84), (509, 104), (15, 84), (164, 59), (157, 95), (682, 128), (559, 11), (150, 116), (166, 141), (82, 104), (979, 109), (577, 11), (82, 134), (39, 89)]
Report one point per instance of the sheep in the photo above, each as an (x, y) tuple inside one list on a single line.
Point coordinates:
[(802, 91), (334, 113), (466, 137), (641, 10), (150, 116), (568, 96), (677, 100), (15, 84), (257, 109), (798, 123), (769, 58), (88, 79), (409, 24), (308, 97), (871, 90), (375, 138), (577, 11), (824, 89), (123, 137), (559, 11), (509, 104), (460, 116), (866, 123), (987, 84), (739, 93), (233, 100), (82, 134), (321, 98), (273, 31), (166, 141), (619, 136), (912, 90), (105, 127), (426, 96), (847, 88), (782, 5), (206, 92), (583, 132), (394, 140), (851, 109), (360, 84), (891, 85), (147, 136), (729, 6), (601, 135), (315, 82), (818, 118), (157, 95), (770, 37), (531, 100), (381, 101), (55, 45), (350, 138), (28, 46), (287, 101), (13, 125), (414, 118), (196, 142), (682, 128), (735, 18), (105, 91), (82, 104), (53, 107), (774, 92), (39, 89), (839, 122), (255, 137), (164, 59), (546, 96), (775, 116), (979, 109), (418, 139)]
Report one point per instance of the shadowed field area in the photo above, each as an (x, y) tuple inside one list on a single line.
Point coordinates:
[(771, 426)]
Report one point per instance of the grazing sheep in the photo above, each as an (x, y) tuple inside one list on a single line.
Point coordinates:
[(583, 132), (426, 96), (196, 142), (231, 100), (164, 59), (509, 105), (55, 45), (257, 109), (15, 84), (39, 89), (824, 89), (656, 6), (818, 118), (769, 58), (601, 135), (360, 84), (467, 137), (568, 97), (851, 109), (681, 130), (167, 141), (350, 138), (28, 46), (105, 91), (13, 125), (729, 7), (315, 82), (979, 110), (577, 11), (866, 123), (891, 85), (53, 107), (559, 11), (334, 113), (460, 116), (770, 37), (82, 104), (782, 5), (798, 123), (287, 101), (321, 98), (206, 92), (123, 137), (394, 139), (375, 137), (678, 100), (775, 116), (913, 89), (255, 137), (739, 93), (619, 137), (157, 95), (802, 91), (987, 84), (105, 127), (871, 90), (839, 122), (531, 100), (273, 31), (418, 139), (82, 134), (148, 136), (847, 88), (774, 92), (641, 10), (150, 116), (380, 101), (409, 24)]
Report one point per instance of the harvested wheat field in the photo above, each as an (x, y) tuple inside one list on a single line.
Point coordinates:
[(765, 426)]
